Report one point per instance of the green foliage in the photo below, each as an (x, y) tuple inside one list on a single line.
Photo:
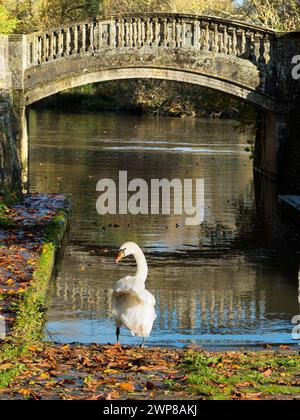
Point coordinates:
[(153, 97), (215, 7), (7, 23), (28, 15), (41, 14), (280, 15), (219, 376), (4, 219)]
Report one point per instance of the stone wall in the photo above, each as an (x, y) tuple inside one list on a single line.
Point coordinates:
[(10, 168), (289, 90)]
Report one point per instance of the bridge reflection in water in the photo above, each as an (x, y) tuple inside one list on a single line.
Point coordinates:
[(234, 298)]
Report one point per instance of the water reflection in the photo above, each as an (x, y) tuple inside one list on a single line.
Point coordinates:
[(232, 279)]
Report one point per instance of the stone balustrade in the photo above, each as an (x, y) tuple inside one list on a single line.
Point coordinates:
[(206, 34)]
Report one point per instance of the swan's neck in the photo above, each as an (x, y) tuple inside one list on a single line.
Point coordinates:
[(142, 267)]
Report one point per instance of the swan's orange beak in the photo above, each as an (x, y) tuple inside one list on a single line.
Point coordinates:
[(120, 256)]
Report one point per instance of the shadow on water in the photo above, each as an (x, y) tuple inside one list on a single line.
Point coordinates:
[(231, 281)]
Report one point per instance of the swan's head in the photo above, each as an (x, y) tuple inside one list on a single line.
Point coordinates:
[(129, 248)]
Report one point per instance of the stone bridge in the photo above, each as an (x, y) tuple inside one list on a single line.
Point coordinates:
[(242, 60)]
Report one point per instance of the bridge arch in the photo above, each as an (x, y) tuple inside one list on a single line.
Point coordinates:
[(244, 93)]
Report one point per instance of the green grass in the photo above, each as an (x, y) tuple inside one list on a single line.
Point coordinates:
[(31, 308), (219, 376), (5, 220)]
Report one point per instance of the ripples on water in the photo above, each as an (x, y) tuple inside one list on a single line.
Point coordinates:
[(232, 280)]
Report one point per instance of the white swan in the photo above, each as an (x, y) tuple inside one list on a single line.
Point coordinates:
[(132, 304)]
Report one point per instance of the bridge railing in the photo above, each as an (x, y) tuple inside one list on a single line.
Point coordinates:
[(202, 33)]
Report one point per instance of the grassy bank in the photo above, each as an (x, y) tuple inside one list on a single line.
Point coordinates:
[(29, 304), (236, 375)]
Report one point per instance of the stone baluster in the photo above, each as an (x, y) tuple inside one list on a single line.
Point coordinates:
[(91, 42), (99, 32), (173, 33), (134, 33), (266, 49), (252, 46), (149, 32), (152, 31), (257, 47), (196, 34), (44, 48), (234, 42), (183, 33), (156, 31), (225, 40), (83, 39), (120, 42), (68, 41), (165, 33), (75, 40), (122, 33), (131, 42), (112, 34), (215, 44), (139, 32), (34, 50), (118, 33), (127, 33), (51, 46), (221, 40), (60, 51), (243, 42), (206, 46), (143, 32), (178, 33)]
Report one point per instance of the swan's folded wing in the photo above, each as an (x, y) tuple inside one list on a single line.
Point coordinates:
[(149, 298), (128, 287)]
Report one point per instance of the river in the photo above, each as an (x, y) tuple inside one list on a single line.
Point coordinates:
[(231, 281)]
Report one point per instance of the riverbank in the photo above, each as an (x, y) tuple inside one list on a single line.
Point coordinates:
[(31, 233), (94, 372)]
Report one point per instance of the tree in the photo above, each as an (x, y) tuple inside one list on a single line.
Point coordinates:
[(280, 15), (193, 6), (34, 15), (58, 12), (7, 22)]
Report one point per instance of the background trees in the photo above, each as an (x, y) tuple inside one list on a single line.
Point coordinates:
[(30, 15), (7, 22), (280, 15)]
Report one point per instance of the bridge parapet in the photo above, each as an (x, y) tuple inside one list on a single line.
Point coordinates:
[(207, 34)]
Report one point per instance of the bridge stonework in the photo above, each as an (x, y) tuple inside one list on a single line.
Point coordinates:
[(245, 61)]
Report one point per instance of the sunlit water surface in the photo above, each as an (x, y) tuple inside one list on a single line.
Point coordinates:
[(231, 281)]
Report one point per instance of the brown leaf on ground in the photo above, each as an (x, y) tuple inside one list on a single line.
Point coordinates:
[(127, 387), (267, 373)]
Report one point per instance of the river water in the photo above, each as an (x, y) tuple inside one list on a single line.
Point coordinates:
[(231, 281)]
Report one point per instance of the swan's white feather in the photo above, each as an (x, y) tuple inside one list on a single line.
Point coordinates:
[(133, 306)]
